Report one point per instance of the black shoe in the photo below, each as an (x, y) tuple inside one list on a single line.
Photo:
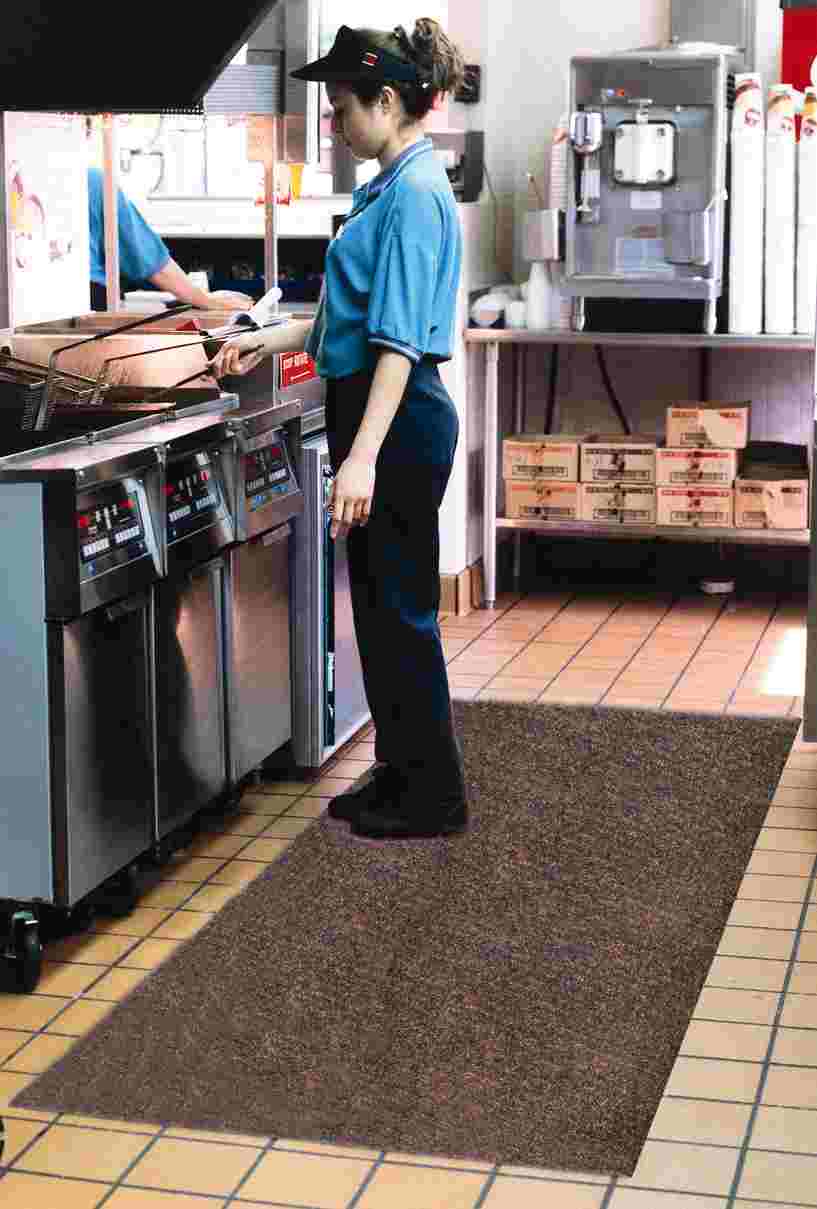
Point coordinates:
[(368, 796), (400, 820)]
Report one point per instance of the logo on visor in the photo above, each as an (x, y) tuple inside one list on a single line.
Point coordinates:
[(370, 59)]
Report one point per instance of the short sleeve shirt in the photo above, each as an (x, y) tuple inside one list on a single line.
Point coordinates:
[(141, 252), (393, 270)]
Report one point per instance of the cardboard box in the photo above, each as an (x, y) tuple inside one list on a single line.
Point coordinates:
[(530, 457), (709, 467), (545, 501), (773, 504), (617, 503), (696, 507), (712, 425), (618, 459)]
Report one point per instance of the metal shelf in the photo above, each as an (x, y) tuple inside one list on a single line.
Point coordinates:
[(494, 335), (752, 537)]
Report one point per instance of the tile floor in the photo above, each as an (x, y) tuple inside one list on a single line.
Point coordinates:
[(737, 1127)]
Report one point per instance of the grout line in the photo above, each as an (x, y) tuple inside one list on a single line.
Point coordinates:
[(774, 612), (767, 1061), (640, 648), (693, 656)]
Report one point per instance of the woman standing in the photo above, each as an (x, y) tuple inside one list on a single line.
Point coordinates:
[(384, 323)]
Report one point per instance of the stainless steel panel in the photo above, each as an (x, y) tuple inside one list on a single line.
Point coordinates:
[(727, 22), (192, 769), (329, 700), (25, 818), (258, 651), (102, 750)]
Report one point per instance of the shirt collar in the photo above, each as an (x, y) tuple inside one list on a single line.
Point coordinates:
[(378, 183)]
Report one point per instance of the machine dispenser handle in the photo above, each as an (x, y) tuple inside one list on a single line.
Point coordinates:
[(277, 535), (122, 608)]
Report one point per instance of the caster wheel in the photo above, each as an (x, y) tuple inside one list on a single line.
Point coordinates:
[(26, 951)]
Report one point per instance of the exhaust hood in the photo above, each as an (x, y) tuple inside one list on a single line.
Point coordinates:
[(91, 57)]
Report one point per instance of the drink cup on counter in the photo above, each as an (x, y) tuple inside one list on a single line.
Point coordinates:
[(516, 314)]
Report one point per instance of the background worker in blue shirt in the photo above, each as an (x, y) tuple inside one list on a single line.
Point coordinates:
[(143, 256), (384, 322)]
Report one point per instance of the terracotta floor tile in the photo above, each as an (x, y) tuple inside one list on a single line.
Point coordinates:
[(138, 923), (12, 1040), (90, 948), (737, 1042), (271, 849), (65, 1150), (774, 889), (149, 954), (795, 1047), (780, 1176), (684, 1121), (193, 1167), (764, 915), (744, 1007), (193, 870), (784, 864), (790, 1087), (246, 822), (211, 898), (182, 925), (392, 1187), (494, 692), (29, 1012), (304, 1179), (60, 979), (326, 1148), (138, 1198), (80, 1017), (744, 974), (286, 828), (756, 942), (267, 803), (803, 979), (782, 839), (799, 1011), (40, 1053), (18, 1191), (116, 985), (10, 1086), (166, 894), (220, 1139), (509, 1192), (790, 1129), (241, 872), (19, 1133), (682, 1168), (217, 846)]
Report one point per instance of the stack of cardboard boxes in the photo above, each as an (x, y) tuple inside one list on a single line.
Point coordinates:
[(697, 468), (707, 475)]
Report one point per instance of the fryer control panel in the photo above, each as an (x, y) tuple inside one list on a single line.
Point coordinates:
[(113, 527), (194, 493), (268, 473)]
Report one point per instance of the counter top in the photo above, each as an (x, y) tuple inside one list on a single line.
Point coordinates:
[(499, 335)]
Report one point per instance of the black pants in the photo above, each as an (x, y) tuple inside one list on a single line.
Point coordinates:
[(394, 568)]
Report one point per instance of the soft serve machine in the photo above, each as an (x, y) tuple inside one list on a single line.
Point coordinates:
[(647, 178)]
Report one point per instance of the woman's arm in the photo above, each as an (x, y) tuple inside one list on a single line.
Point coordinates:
[(284, 338), (353, 486)]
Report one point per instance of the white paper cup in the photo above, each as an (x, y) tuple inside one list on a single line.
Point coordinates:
[(516, 314)]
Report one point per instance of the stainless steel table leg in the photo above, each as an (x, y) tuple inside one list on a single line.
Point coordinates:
[(518, 426), (490, 471)]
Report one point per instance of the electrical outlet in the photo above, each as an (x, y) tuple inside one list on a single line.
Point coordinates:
[(470, 91)]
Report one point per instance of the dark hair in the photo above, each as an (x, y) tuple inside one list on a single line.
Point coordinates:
[(439, 64)]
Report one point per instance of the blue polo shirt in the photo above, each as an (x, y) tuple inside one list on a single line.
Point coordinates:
[(393, 269), (141, 252)]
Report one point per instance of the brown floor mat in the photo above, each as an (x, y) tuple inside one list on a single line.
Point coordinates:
[(516, 994)]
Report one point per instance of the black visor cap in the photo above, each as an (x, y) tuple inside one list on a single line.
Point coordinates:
[(351, 58)]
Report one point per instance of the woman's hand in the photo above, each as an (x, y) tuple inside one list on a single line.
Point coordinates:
[(352, 491), (226, 360)]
